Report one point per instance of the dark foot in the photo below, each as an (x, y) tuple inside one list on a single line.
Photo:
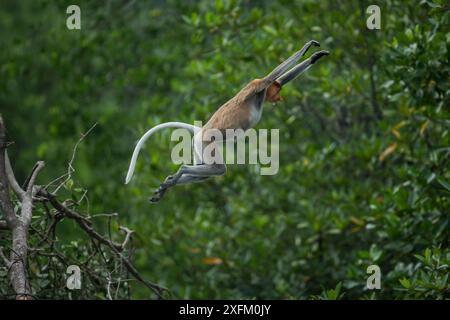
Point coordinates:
[(315, 43), (169, 182), (157, 195)]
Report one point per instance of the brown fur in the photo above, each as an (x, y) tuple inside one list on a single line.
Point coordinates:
[(273, 92), (236, 112)]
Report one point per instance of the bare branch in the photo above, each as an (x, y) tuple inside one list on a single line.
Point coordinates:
[(128, 234), (70, 168), (107, 215), (5, 200), (34, 173), (83, 222), (18, 225), (157, 289), (27, 201), (115, 248), (21, 224), (12, 179)]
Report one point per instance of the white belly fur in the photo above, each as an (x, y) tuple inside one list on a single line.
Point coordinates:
[(255, 114)]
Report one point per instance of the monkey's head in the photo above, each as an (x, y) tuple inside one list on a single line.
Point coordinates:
[(273, 92)]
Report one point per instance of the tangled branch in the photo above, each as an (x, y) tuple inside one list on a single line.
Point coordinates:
[(21, 229), (116, 248)]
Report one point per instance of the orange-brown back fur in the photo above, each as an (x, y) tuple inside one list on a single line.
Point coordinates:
[(236, 112)]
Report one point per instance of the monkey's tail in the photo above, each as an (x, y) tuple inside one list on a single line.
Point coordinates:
[(147, 135)]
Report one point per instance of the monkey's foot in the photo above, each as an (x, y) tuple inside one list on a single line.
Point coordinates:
[(169, 182), (157, 195)]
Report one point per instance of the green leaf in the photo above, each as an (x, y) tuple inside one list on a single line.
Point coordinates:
[(405, 283), (69, 184), (333, 294), (375, 253), (409, 34), (443, 183), (427, 256)]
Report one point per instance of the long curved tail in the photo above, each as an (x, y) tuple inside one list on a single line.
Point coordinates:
[(147, 135)]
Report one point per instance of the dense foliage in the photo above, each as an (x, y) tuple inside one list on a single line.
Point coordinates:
[(364, 140)]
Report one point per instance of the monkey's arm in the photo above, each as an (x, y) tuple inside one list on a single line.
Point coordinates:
[(300, 68), (285, 66)]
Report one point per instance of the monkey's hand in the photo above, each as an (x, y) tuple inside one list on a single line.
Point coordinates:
[(317, 55)]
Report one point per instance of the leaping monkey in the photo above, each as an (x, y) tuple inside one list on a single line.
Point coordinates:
[(243, 111)]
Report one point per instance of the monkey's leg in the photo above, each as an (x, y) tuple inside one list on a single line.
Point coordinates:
[(185, 179), (188, 178), (205, 165), (193, 173), (300, 68), (201, 170), (187, 174), (290, 62)]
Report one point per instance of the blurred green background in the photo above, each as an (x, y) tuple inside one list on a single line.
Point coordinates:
[(364, 139)]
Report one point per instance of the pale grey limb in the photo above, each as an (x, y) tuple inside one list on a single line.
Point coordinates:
[(205, 166), (300, 68), (188, 174), (188, 178), (290, 62)]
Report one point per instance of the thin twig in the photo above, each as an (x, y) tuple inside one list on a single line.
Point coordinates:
[(83, 222), (128, 234), (108, 215), (70, 169)]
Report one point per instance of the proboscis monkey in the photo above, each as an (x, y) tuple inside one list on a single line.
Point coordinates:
[(243, 111)]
